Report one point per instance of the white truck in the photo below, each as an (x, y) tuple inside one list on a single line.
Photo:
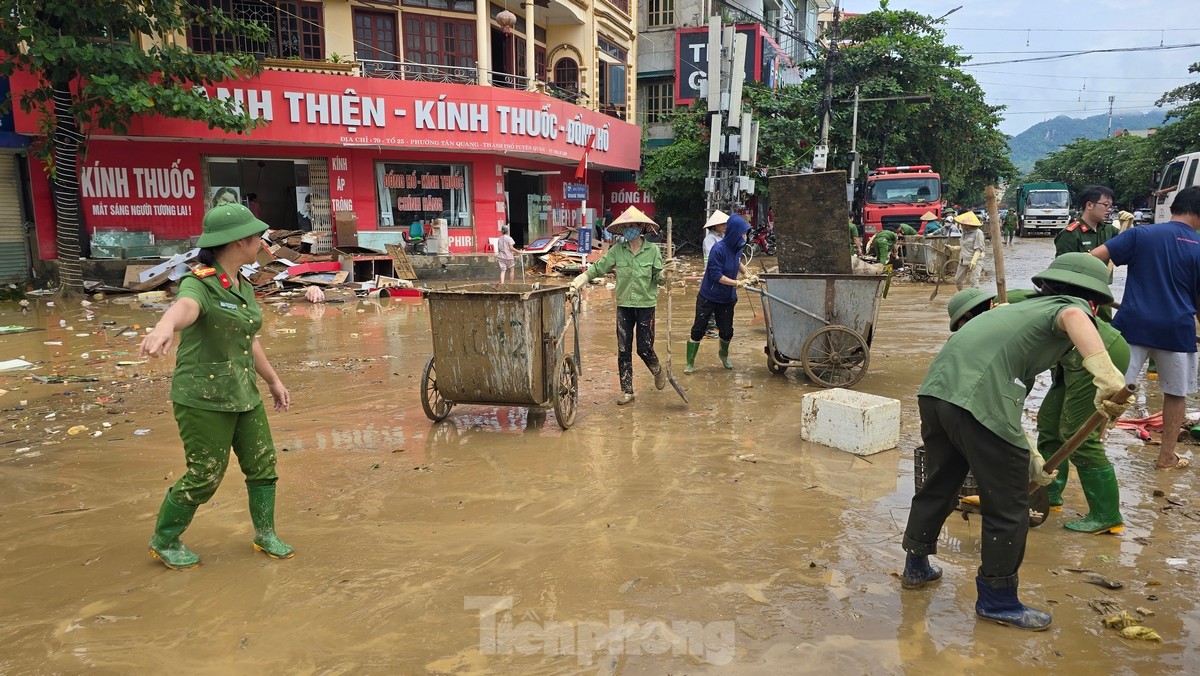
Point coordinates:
[(1181, 172)]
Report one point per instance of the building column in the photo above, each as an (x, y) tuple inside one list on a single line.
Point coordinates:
[(483, 43), (530, 70)]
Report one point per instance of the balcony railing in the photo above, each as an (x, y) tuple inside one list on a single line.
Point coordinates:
[(419, 72), (619, 111)]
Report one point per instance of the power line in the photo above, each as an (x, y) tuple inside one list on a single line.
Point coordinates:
[(1097, 77), (1010, 113), (1089, 51), (1077, 30), (1064, 89), (1068, 51)]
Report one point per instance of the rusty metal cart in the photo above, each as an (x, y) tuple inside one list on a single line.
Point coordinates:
[(823, 322), (501, 345), (929, 258)]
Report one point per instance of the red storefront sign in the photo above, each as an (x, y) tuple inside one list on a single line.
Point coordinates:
[(336, 110), (621, 196), (158, 184)]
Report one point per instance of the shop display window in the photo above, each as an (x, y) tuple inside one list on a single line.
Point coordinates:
[(423, 192)]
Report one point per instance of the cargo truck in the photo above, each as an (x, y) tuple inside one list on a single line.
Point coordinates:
[(894, 195), (1043, 208), (1179, 173)]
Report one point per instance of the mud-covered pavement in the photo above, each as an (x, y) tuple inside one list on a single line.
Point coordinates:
[(652, 538)]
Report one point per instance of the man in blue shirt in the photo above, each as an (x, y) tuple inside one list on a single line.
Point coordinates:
[(1157, 314)]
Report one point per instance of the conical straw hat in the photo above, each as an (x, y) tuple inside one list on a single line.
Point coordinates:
[(929, 216), (631, 216), (968, 218), (718, 217)]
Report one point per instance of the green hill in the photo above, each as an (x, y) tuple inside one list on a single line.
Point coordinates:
[(1044, 138)]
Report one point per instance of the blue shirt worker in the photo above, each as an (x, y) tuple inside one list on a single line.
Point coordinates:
[(1157, 314), (216, 401), (718, 294), (971, 404)]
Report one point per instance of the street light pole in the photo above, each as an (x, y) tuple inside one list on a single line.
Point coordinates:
[(821, 152)]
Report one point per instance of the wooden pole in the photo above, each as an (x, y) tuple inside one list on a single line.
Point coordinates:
[(989, 194)]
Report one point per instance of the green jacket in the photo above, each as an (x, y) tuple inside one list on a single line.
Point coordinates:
[(1081, 237), (907, 230), (989, 365), (214, 368), (638, 275)]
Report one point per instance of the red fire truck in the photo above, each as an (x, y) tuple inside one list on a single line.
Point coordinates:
[(894, 195)]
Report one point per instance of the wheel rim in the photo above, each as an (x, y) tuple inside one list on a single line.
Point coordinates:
[(835, 356), (436, 406), (566, 391)]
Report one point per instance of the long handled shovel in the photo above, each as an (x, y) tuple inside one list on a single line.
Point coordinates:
[(671, 376), (1039, 496)]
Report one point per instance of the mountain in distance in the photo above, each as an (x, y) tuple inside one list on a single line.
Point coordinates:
[(1044, 138)]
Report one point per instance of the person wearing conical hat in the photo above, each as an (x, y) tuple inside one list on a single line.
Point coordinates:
[(971, 248), (718, 291), (930, 225), (215, 398), (639, 267), (971, 403), (714, 230)]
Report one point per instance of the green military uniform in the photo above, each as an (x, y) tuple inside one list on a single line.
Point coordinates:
[(907, 230), (1080, 236), (214, 389), (884, 241), (853, 236)]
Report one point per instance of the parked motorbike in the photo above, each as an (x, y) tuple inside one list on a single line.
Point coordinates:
[(762, 239)]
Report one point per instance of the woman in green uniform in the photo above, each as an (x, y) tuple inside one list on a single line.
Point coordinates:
[(213, 390)]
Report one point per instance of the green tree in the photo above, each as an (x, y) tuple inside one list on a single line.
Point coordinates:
[(1123, 163), (1182, 133), (92, 73)]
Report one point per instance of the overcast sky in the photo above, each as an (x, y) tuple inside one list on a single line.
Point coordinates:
[(1077, 86)]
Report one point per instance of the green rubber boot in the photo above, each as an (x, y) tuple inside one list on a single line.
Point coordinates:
[(1104, 503), (173, 519), (262, 514), (1055, 489), (692, 349), (723, 353)]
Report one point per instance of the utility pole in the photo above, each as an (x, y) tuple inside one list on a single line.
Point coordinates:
[(821, 153), (1110, 105)]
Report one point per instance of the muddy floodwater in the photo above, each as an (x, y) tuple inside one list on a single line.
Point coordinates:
[(654, 538)]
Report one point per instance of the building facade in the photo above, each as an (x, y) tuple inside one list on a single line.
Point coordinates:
[(378, 114)]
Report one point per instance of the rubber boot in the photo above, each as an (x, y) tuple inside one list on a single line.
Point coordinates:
[(918, 572), (660, 377), (262, 515), (1104, 505), (692, 349), (173, 519), (1000, 605), (723, 353), (1055, 489)]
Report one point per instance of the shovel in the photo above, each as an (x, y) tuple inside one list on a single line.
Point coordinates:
[(670, 375), (1039, 496)]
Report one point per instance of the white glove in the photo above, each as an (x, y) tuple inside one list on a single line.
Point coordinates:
[(1108, 381), (1037, 473), (579, 281), (314, 294), (742, 283), (752, 279)]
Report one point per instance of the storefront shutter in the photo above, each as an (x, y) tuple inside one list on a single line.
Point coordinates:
[(14, 259), (320, 208)]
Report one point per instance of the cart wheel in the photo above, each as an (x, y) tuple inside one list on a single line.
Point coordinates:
[(436, 406), (835, 356), (566, 391), (775, 363), (950, 268)]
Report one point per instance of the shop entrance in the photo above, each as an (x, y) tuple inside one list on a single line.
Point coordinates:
[(528, 217), (285, 194)]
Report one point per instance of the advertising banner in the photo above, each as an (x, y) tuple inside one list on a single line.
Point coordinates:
[(620, 196), (691, 61)]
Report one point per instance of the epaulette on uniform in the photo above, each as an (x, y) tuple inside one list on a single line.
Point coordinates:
[(203, 272)]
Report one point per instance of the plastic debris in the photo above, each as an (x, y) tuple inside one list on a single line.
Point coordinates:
[(141, 432), (1120, 620), (1141, 633), (14, 364), (1176, 562), (77, 429), (1144, 612)]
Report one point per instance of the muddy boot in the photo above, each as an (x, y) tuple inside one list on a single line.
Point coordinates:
[(660, 377), (918, 572), (173, 519), (1103, 498), (262, 514), (1055, 489), (625, 398), (723, 353), (692, 349), (1000, 605)]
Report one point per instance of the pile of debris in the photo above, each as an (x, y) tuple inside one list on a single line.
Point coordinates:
[(283, 264)]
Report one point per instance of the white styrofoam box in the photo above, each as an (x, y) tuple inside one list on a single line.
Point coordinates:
[(860, 423)]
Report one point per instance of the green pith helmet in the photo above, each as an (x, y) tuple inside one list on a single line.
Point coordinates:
[(965, 301), (1078, 269), (227, 223)]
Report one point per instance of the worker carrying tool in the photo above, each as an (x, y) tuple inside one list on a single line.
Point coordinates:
[(971, 404)]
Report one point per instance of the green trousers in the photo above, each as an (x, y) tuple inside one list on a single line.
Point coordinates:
[(1069, 403), (207, 438)]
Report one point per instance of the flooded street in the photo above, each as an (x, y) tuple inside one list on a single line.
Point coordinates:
[(652, 538)]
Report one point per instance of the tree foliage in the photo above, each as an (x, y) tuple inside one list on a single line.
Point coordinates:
[(92, 72)]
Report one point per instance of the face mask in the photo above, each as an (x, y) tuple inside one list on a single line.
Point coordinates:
[(631, 234)]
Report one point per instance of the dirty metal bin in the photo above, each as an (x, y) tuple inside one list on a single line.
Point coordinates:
[(499, 344), (968, 488)]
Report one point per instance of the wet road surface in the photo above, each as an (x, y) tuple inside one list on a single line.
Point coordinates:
[(652, 538)]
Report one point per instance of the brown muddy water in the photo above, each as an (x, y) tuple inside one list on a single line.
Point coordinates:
[(654, 538)]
